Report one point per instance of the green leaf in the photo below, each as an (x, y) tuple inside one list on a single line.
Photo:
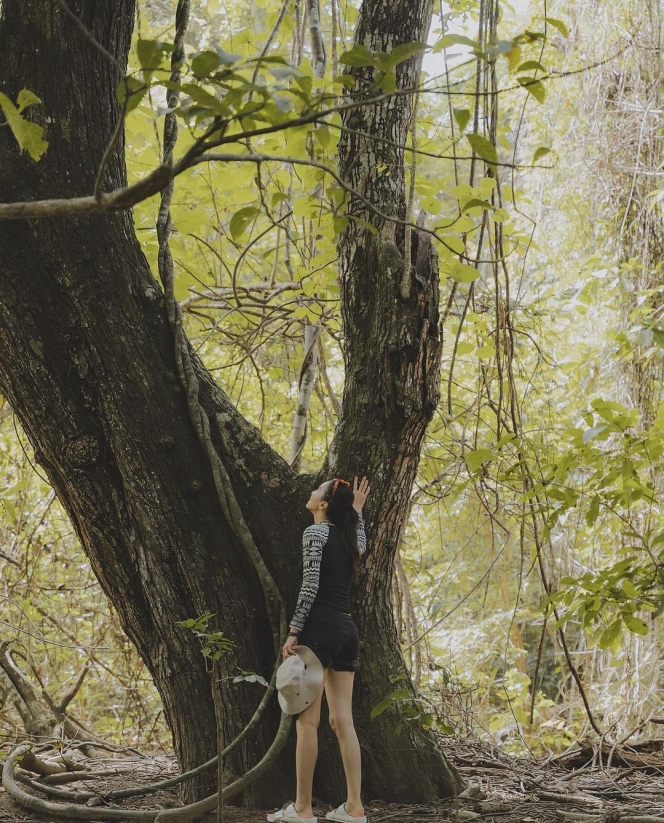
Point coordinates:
[(131, 92), (591, 434), (358, 57), (561, 622), (278, 197), (205, 99), (228, 57), (448, 40), (629, 589), (610, 635), (241, 219), (483, 148), (558, 24), (462, 116), (340, 224), (635, 624), (461, 272), (659, 419), (475, 202), (187, 624), (29, 136), (542, 151), (368, 226), (26, 98), (465, 348), (513, 57), (344, 80), (205, 63), (593, 511), (486, 186), (455, 244), (534, 87), (529, 65), (388, 82), (404, 52), (381, 707), (475, 458), (151, 53)]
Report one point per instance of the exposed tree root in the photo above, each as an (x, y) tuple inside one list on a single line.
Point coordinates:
[(72, 811), (68, 811)]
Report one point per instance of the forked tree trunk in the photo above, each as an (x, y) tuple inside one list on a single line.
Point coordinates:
[(87, 363), (392, 359)]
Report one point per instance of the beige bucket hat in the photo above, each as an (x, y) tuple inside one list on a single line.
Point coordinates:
[(299, 680)]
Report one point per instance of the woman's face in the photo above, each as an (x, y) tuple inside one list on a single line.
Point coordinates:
[(316, 502)]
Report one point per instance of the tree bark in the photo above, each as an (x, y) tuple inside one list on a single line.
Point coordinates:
[(87, 363), (392, 358)]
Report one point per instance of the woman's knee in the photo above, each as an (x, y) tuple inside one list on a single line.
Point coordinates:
[(341, 724), (307, 720)]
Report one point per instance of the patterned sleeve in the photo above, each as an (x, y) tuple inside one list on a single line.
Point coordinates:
[(313, 540), (361, 535)]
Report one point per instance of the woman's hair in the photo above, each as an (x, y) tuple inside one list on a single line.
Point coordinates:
[(339, 498)]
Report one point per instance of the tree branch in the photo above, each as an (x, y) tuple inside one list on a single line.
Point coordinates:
[(118, 200)]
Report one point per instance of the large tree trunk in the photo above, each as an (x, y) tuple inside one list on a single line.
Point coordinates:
[(87, 363), (392, 359)]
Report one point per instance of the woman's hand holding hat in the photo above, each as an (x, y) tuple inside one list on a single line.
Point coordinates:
[(289, 646)]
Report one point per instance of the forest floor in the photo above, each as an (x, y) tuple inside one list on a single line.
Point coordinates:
[(586, 785)]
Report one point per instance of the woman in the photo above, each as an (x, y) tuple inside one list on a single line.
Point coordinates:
[(332, 547)]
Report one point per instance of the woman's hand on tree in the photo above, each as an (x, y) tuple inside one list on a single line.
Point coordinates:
[(289, 647), (360, 493)]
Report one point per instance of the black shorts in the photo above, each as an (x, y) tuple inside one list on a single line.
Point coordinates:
[(333, 638)]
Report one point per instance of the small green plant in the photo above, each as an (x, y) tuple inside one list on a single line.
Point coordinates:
[(411, 708), (213, 643)]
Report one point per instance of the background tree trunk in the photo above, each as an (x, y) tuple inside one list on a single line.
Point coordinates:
[(87, 363)]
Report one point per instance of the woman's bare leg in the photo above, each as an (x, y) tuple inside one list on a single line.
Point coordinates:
[(306, 753), (339, 693)]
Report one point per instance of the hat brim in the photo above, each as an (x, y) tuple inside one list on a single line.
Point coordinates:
[(315, 680)]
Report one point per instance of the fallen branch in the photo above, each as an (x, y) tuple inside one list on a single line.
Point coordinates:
[(641, 818), (54, 791), (34, 712), (611, 817), (40, 766), (569, 798), (74, 777)]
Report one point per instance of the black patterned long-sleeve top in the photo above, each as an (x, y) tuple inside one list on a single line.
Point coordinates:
[(326, 569)]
